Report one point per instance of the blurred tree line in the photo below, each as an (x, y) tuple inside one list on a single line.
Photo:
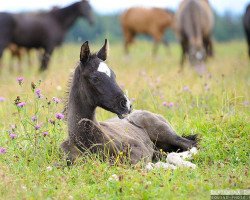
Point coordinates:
[(227, 27)]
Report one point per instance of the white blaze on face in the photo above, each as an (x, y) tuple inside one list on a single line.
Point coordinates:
[(199, 55), (104, 69), (128, 104)]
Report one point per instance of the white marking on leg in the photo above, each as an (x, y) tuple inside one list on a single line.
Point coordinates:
[(104, 69)]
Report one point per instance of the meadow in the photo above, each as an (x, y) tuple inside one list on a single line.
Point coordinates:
[(216, 107)]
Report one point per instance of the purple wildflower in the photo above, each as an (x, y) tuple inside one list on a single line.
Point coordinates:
[(13, 136), (2, 150), (164, 103), (20, 80), (34, 118), (170, 104), (59, 116), (2, 99), (38, 93), (186, 88), (56, 100), (21, 104), (38, 126), (45, 133), (246, 103)]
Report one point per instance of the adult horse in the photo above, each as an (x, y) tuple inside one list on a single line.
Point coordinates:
[(150, 21), (194, 25), (44, 30), (138, 135), (246, 24)]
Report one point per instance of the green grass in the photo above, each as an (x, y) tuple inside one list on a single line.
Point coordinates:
[(216, 107)]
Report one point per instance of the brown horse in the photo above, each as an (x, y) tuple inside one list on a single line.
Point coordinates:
[(194, 25), (150, 21)]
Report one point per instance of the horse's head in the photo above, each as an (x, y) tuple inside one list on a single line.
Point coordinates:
[(197, 56), (99, 84), (86, 11)]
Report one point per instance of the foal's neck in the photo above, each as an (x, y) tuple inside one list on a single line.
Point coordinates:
[(67, 16), (79, 105)]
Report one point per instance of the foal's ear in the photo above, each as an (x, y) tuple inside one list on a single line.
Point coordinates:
[(85, 52), (103, 52)]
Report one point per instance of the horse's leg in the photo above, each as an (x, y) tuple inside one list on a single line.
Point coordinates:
[(3, 45), (11, 63), (70, 151), (19, 58), (157, 35), (28, 57), (160, 131), (248, 44), (87, 137), (183, 53), (46, 57), (208, 46), (211, 49), (129, 36)]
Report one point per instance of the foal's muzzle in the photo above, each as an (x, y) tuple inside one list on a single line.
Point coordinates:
[(125, 106)]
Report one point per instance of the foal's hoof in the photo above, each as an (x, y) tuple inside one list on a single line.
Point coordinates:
[(69, 162)]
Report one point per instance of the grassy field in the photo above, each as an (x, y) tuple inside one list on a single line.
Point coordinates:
[(216, 107)]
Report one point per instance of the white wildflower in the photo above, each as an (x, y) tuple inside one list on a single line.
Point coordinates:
[(113, 178)]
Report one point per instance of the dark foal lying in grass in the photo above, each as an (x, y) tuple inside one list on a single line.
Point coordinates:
[(138, 135)]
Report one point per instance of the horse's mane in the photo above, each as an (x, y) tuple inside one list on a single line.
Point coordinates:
[(68, 88), (66, 94)]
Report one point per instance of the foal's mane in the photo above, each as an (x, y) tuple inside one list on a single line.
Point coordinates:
[(69, 85)]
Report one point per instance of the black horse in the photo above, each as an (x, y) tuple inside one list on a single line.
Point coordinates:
[(44, 30), (246, 24)]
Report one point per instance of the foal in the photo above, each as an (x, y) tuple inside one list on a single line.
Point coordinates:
[(138, 134)]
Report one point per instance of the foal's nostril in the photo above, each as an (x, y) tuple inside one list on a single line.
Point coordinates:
[(123, 104)]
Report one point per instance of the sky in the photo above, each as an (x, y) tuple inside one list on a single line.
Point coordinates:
[(114, 6)]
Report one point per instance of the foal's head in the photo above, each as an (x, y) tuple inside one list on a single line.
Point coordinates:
[(99, 84), (86, 11)]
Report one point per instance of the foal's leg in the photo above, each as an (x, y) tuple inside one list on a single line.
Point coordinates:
[(70, 151), (160, 131)]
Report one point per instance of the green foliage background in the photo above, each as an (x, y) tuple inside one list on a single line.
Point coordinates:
[(228, 27)]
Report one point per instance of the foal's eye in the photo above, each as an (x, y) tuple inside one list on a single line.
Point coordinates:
[(95, 80)]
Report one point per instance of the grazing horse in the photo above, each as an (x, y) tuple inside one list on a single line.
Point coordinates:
[(138, 135), (194, 25), (246, 24), (44, 30), (150, 21)]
